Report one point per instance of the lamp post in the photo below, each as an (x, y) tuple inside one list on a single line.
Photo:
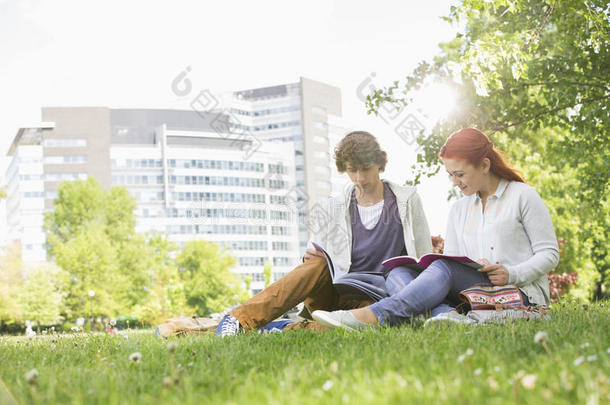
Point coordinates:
[(91, 295)]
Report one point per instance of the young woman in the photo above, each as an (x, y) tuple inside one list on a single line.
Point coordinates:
[(501, 221)]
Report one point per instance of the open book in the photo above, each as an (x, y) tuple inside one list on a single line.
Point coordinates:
[(426, 260), (370, 284)]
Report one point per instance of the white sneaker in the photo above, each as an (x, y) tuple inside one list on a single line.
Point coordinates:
[(449, 317), (339, 319)]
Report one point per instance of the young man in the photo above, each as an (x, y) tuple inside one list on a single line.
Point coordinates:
[(373, 220)]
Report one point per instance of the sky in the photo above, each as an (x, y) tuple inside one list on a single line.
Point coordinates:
[(125, 54)]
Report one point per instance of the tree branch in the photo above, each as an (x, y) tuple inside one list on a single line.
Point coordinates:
[(584, 84), (552, 110)]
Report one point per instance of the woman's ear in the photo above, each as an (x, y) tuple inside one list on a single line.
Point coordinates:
[(486, 165)]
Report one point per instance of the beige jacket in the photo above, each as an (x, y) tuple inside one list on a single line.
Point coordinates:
[(331, 225)]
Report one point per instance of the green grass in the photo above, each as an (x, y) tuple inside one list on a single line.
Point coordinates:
[(398, 365)]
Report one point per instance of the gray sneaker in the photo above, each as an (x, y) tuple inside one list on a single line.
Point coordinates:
[(340, 319), (449, 317)]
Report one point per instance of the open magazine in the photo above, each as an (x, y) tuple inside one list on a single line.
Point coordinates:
[(370, 284), (426, 260)]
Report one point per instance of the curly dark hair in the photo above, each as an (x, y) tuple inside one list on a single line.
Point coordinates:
[(359, 149)]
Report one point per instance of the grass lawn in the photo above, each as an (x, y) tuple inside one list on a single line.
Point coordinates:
[(493, 364)]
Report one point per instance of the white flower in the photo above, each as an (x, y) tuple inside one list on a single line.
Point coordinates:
[(541, 337), (172, 346), (608, 350), (578, 361), (461, 358), (168, 381), (586, 344), (493, 384), (53, 346), (91, 293), (497, 369), (478, 371), (327, 385), (135, 357), (593, 357), (31, 376), (469, 352), (529, 381), (334, 367)]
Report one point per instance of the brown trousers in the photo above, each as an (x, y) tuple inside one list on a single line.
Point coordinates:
[(309, 282)]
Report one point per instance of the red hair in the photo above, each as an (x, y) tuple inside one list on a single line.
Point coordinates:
[(473, 146)]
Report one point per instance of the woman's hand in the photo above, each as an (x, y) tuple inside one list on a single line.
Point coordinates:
[(497, 273)]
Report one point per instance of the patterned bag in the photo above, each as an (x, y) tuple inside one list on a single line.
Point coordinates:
[(490, 297)]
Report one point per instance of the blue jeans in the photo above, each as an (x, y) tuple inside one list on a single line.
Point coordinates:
[(442, 280), (398, 279)]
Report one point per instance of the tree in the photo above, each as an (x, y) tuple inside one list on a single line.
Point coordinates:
[(209, 285), (166, 296), (11, 282), (116, 266), (521, 69), (267, 273), (91, 263), (41, 297)]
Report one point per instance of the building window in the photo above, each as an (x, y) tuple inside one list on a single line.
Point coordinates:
[(64, 142)]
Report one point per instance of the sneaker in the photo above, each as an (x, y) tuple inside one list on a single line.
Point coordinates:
[(449, 317), (228, 326), (339, 319)]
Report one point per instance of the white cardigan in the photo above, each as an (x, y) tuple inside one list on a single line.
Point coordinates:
[(516, 231), (331, 225)]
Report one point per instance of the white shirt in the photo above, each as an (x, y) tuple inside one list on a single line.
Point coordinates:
[(369, 216), (515, 230)]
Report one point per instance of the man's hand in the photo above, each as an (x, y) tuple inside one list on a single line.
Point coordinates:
[(497, 273), (309, 253)]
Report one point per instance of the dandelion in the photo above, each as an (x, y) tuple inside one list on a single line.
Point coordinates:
[(172, 346), (493, 384), (31, 376), (135, 357), (529, 381), (478, 371), (168, 381), (591, 358), (327, 385), (578, 361), (540, 337)]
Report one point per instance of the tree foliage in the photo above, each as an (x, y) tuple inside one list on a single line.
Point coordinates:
[(165, 294), (11, 282), (91, 234), (41, 297), (534, 76), (209, 286)]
